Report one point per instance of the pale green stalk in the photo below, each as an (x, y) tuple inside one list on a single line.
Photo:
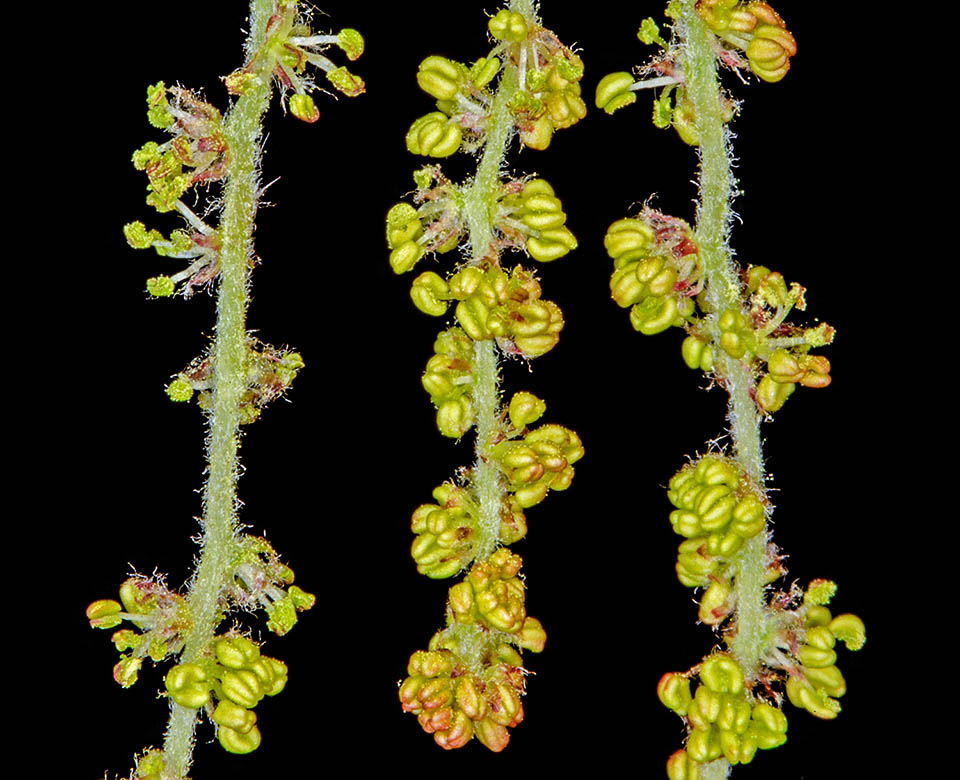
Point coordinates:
[(723, 292), (243, 129), (480, 202)]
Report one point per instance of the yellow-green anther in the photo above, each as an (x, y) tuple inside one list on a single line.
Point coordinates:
[(628, 239), (748, 517), (850, 630), (714, 606), (613, 91), (455, 417), (188, 685), (405, 256), (139, 237), (551, 244), (403, 224), (820, 591), (827, 679), (303, 108), (821, 637), (532, 637), (429, 292), (722, 674), (736, 334), (815, 657), (815, 701), (734, 715), (126, 669), (179, 390), (439, 77), (161, 286), (817, 615), (783, 367), (351, 42), (242, 687), (236, 652), (654, 314), (345, 82), (434, 135), (770, 718), (237, 741), (772, 395), (770, 50), (104, 614), (697, 353), (681, 767), (525, 408), (508, 25), (484, 70), (674, 692), (278, 675), (234, 716), (704, 745), (135, 599)]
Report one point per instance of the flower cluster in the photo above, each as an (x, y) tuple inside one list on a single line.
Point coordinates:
[(270, 372), (755, 29), (717, 510), (291, 46), (160, 618), (658, 273), (228, 684), (669, 274), (470, 681)]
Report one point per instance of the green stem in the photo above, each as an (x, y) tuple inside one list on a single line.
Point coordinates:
[(479, 207), (723, 292), (242, 129)]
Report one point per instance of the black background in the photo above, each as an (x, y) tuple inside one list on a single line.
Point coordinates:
[(332, 476)]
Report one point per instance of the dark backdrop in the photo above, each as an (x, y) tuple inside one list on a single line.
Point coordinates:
[(332, 476)]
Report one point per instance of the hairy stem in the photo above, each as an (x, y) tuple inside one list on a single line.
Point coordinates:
[(242, 128), (723, 292), (480, 202)]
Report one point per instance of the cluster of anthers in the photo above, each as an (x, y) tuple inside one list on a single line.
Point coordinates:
[(658, 274), (736, 332), (751, 28), (731, 716), (231, 676), (199, 152), (471, 679)]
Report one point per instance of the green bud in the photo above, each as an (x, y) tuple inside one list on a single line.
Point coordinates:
[(508, 26)]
